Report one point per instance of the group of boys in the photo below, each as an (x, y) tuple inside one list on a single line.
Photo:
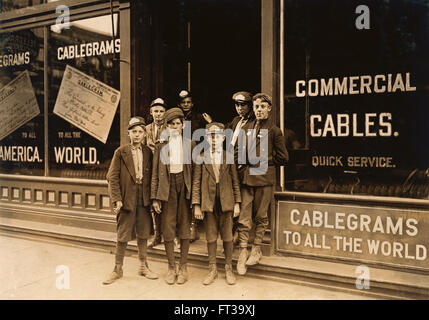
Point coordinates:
[(226, 196)]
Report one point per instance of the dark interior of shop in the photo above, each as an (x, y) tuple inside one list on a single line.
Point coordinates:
[(211, 48)]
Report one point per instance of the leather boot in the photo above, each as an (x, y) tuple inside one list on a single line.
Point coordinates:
[(146, 272), (115, 275), (183, 274), (229, 274), (241, 263), (171, 275), (212, 275), (255, 255)]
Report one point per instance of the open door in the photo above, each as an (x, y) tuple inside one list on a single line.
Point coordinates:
[(210, 47)]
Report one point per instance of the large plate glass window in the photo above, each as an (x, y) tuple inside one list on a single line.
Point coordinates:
[(21, 102), (356, 97), (84, 96)]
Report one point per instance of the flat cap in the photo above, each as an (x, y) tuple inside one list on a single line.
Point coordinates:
[(136, 121), (184, 94), (173, 113), (264, 97), (158, 102), (213, 127), (242, 96)]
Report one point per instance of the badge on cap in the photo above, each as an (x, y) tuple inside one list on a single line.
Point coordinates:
[(183, 94), (158, 101), (133, 121), (240, 97)]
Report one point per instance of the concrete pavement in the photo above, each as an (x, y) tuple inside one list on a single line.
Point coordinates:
[(31, 270)]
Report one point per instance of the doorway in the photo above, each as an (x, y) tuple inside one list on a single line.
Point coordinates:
[(210, 47)]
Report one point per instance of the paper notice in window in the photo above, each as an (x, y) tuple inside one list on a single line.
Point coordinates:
[(18, 104), (87, 103)]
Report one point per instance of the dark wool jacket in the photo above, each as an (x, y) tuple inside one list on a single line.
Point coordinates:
[(122, 177)]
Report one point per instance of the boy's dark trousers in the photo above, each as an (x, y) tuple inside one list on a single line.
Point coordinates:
[(176, 215), (254, 199), (218, 222), (141, 223), (125, 224)]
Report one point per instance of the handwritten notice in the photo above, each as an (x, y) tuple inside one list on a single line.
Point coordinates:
[(87, 103), (18, 104)]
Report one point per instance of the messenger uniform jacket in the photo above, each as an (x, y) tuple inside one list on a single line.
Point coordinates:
[(122, 177), (277, 155), (204, 186), (236, 119)]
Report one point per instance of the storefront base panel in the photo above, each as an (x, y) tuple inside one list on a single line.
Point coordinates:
[(58, 201)]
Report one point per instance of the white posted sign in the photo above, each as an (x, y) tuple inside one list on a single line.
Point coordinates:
[(87, 103), (18, 104)]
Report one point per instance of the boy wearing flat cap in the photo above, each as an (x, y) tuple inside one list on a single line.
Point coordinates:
[(257, 189), (171, 192), (154, 129), (153, 134), (187, 105), (216, 199), (129, 179), (243, 107)]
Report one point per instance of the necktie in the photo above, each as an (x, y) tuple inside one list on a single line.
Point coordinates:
[(155, 136)]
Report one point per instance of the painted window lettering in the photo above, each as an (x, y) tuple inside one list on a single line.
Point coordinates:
[(16, 59), (346, 125), (89, 49), (76, 155), (365, 84), (20, 154)]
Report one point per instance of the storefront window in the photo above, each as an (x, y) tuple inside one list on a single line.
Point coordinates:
[(84, 98), (21, 102), (356, 93)]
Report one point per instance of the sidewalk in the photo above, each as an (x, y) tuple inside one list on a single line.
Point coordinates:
[(28, 271)]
